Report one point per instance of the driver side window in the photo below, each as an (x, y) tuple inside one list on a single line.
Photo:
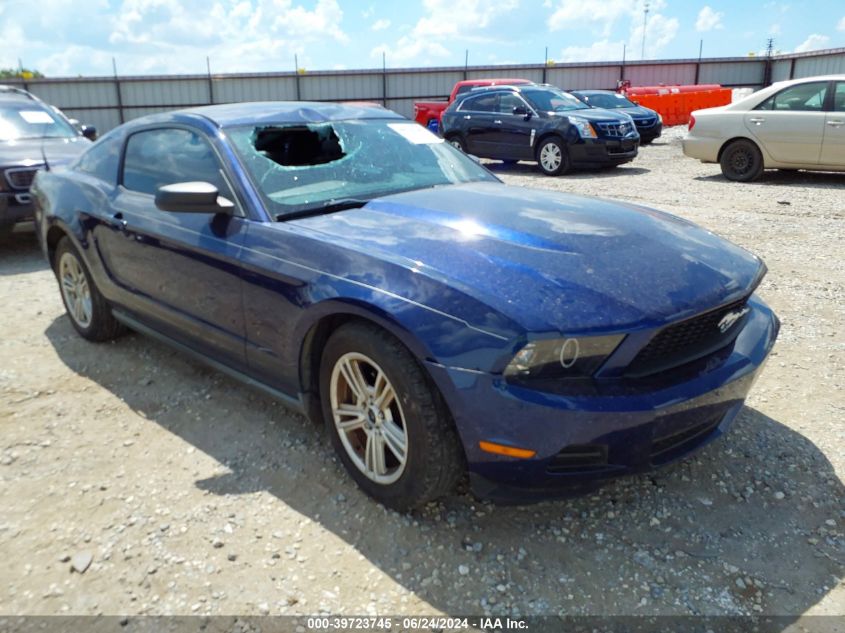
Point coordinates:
[(169, 155)]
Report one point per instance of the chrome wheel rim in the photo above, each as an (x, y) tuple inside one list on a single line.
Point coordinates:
[(75, 290), (456, 144), (368, 418), (550, 156)]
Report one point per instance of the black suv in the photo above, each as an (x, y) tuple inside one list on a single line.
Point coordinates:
[(540, 123), (649, 122), (29, 131)]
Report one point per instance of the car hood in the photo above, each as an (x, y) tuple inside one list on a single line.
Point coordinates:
[(639, 112), (548, 261), (26, 152)]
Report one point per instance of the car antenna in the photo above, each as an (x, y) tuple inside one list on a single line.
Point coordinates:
[(43, 153)]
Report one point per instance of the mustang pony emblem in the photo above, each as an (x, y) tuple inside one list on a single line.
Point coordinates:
[(730, 318)]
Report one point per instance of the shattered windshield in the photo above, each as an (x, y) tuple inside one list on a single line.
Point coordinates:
[(299, 167)]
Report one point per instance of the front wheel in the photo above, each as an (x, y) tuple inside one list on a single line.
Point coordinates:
[(741, 161), (388, 424), (553, 157), (87, 309)]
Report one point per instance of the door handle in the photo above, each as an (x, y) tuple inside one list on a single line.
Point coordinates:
[(497, 122), (118, 222), (757, 120), (835, 123), (467, 116)]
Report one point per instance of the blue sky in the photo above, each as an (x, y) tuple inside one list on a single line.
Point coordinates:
[(74, 37)]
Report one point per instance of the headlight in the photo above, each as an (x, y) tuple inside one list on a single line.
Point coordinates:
[(585, 130), (576, 357), (659, 118)]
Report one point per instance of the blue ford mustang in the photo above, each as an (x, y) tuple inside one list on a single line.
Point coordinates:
[(438, 321)]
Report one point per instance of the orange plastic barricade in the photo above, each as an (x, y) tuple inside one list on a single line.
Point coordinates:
[(675, 103)]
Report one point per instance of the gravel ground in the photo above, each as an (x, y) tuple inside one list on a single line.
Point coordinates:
[(177, 491)]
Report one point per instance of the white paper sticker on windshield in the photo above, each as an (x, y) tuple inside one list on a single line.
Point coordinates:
[(36, 116), (415, 133)]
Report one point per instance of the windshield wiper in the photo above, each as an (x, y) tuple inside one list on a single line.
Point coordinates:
[(331, 206)]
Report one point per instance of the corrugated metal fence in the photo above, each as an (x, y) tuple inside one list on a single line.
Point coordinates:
[(108, 101)]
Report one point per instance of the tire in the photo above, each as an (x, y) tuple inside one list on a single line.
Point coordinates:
[(6, 229), (553, 157), (741, 161), (87, 309), (415, 417), (457, 142)]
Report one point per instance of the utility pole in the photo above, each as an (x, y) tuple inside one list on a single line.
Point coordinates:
[(767, 69), (645, 23)]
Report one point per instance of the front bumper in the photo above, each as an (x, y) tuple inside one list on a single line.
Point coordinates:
[(601, 152), (630, 433), (648, 134), (15, 207)]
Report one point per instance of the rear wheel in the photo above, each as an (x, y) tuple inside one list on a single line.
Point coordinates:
[(87, 309), (388, 425), (741, 161), (457, 142), (553, 157)]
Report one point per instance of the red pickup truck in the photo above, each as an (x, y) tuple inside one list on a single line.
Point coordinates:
[(428, 113)]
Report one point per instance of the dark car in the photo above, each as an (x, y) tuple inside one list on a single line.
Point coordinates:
[(649, 123), (30, 130), (371, 276), (539, 123)]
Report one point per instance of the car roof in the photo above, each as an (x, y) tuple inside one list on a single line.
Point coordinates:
[(13, 93), (495, 81), (593, 92), (284, 112)]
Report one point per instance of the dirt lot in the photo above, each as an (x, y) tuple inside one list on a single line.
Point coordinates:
[(194, 494)]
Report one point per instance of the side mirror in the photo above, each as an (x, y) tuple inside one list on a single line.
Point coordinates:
[(89, 132), (522, 111), (192, 197)]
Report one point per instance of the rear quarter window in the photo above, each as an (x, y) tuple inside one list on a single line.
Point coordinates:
[(101, 159)]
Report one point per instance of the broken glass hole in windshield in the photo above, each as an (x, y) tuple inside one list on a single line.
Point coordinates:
[(298, 146)]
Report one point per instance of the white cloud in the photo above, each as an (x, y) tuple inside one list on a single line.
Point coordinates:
[(573, 14), (841, 25), (380, 25), (775, 29), (601, 51), (444, 22), (812, 43), (708, 19), (659, 32)]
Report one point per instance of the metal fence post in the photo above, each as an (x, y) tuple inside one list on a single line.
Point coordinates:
[(120, 114), (210, 82)]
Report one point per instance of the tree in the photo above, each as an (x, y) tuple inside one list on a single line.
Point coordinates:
[(20, 73)]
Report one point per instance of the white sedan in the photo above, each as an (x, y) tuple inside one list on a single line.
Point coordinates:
[(797, 124)]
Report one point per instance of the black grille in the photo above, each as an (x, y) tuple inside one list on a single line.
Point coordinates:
[(645, 123), (20, 178), (615, 130), (579, 458), (686, 341)]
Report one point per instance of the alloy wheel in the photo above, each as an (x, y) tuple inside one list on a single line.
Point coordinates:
[(75, 290), (369, 418)]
